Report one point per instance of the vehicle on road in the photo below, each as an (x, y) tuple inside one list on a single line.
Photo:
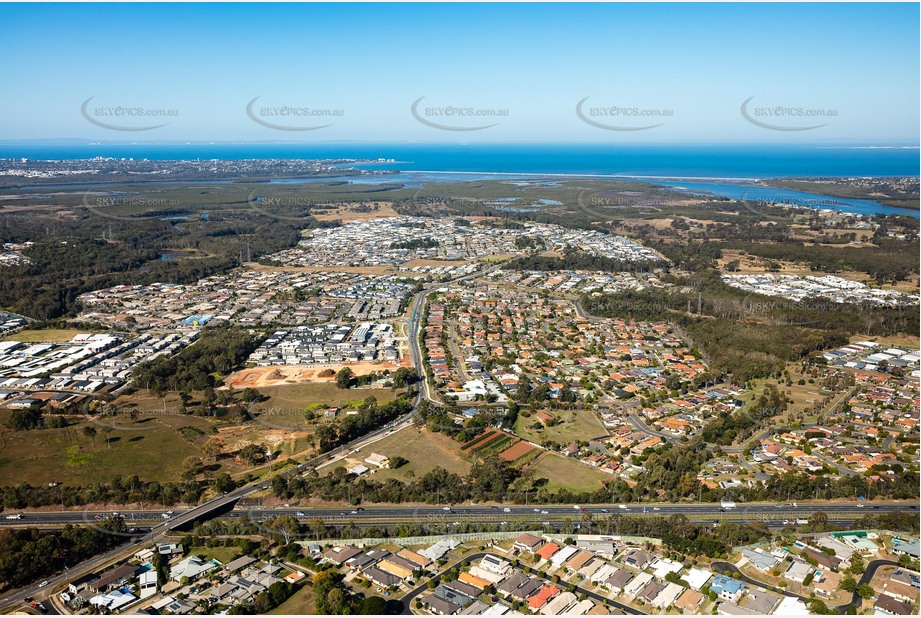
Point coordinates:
[(28, 599), (622, 506), (860, 505), (43, 584), (165, 515), (605, 511), (655, 508), (300, 514), (17, 516), (544, 512), (506, 510), (727, 504), (446, 508)]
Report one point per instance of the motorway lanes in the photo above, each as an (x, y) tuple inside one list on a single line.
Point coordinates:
[(754, 511)]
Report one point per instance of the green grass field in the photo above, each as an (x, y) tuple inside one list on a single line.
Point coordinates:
[(424, 450), (563, 473), (286, 405), (576, 425), (301, 603), (50, 335), (221, 554), (298, 398), (152, 449)]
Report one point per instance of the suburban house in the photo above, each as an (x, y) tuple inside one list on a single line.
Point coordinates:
[(542, 597), (113, 578), (891, 605), (528, 542), (381, 461), (727, 588), (191, 567), (339, 555), (636, 558)]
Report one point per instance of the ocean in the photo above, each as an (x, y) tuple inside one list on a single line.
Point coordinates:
[(721, 169), (684, 161)]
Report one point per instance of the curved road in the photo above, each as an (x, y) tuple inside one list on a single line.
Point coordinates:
[(727, 568)]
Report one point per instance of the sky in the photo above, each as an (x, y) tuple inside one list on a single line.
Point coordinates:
[(663, 73)]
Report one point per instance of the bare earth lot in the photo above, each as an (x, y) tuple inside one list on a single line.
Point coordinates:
[(259, 377)]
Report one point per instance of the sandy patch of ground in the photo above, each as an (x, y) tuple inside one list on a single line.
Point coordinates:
[(299, 374), (235, 438)]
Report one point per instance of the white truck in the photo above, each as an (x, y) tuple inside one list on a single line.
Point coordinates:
[(728, 504), (17, 516)]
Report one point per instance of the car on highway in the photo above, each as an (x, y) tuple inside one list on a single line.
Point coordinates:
[(546, 523), (97, 516), (860, 505), (300, 514), (354, 512), (170, 512), (43, 584), (605, 511), (446, 508), (28, 599), (544, 513), (165, 515), (622, 506), (655, 508)]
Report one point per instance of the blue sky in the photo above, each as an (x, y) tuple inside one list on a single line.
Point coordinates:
[(693, 65)]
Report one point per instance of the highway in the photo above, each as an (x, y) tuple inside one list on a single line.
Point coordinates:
[(149, 526), (374, 514)]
